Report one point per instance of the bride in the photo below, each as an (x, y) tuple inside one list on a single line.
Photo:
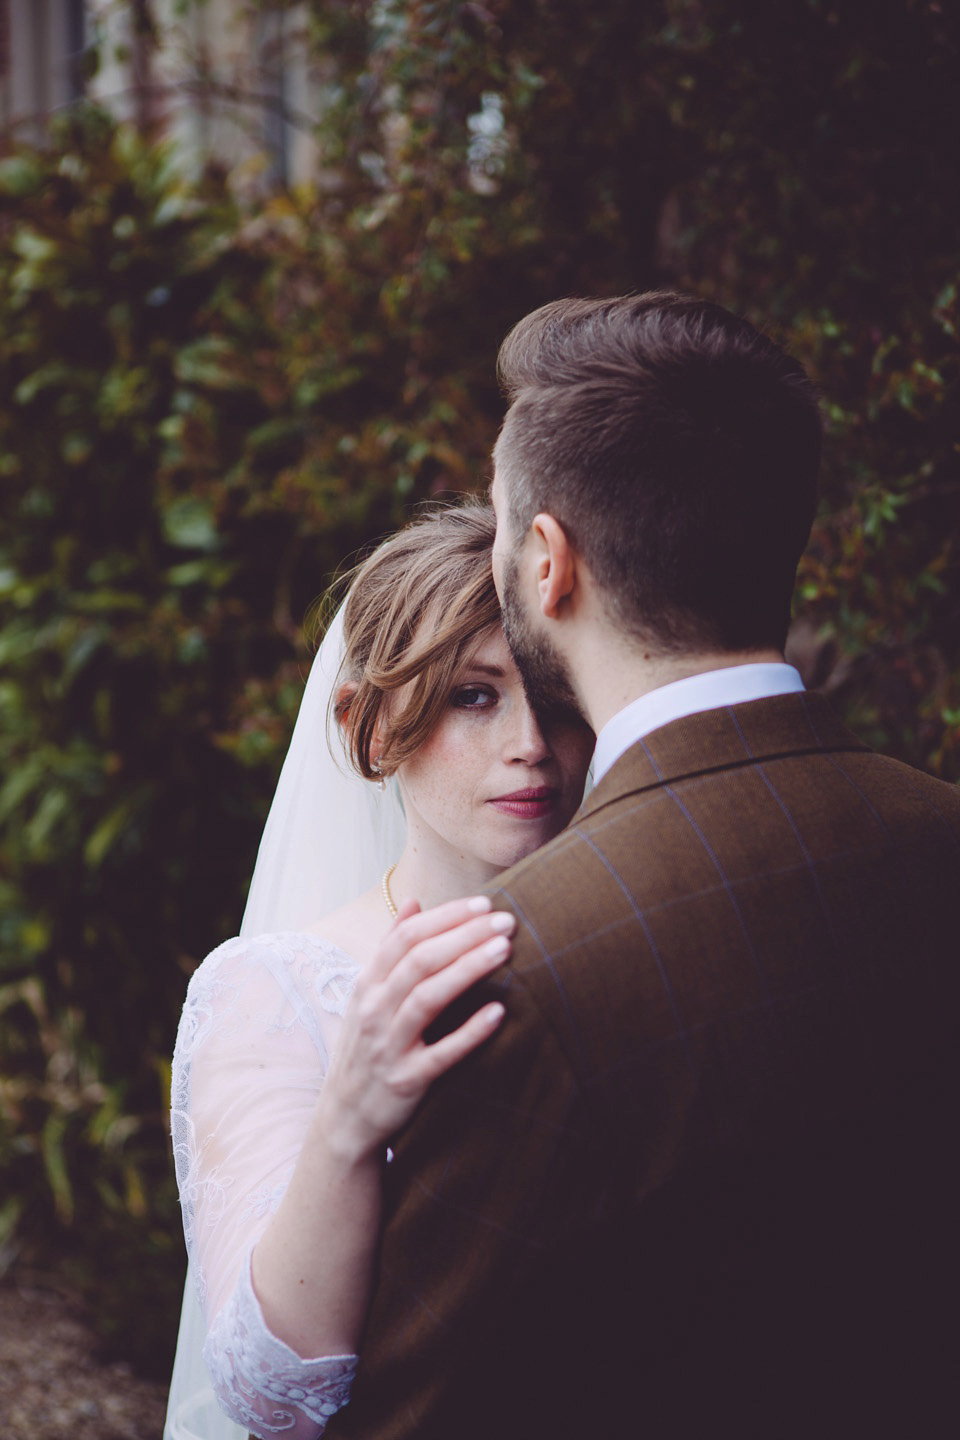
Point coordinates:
[(284, 1094)]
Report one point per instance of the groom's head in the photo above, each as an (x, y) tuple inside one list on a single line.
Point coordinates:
[(678, 448)]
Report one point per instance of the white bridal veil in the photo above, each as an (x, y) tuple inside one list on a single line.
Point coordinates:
[(328, 837)]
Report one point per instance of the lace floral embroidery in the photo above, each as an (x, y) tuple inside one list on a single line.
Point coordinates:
[(258, 1019), (315, 970), (265, 1200), (261, 1382)]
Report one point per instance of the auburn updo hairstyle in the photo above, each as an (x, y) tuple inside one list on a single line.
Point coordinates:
[(414, 610)]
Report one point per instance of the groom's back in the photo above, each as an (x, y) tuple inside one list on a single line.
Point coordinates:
[(701, 1181), (748, 951)]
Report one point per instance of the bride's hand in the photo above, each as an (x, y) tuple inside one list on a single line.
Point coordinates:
[(382, 1067)]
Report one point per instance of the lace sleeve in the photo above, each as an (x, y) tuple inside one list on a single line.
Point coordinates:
[(251, 1053)]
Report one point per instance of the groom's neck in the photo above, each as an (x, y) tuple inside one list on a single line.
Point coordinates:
[(614, 673)]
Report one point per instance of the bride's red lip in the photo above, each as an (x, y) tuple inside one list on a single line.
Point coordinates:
[(529, 804), (537, 792)]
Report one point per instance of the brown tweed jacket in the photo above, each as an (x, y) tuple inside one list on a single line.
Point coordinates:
[(700, 1182)]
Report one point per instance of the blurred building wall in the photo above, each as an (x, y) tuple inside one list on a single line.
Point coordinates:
[(226, 80), (40, 45)]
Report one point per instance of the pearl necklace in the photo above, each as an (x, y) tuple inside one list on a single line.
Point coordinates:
[(385, 891)]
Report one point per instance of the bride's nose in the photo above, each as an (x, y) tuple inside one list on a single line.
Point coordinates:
[(527, 742)]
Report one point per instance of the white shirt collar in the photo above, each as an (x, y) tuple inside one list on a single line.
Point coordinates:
[(710, 690)]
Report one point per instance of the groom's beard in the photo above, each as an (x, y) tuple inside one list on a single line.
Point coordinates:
[(544, 672)]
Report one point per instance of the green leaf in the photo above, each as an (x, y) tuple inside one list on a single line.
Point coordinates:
[(109, 830), (55, 805), (53, 375), (76, 448), (21, 176), (211, 362), (94, 602), (21, 782), (10, 1211), (189, 524), (55, 1164)]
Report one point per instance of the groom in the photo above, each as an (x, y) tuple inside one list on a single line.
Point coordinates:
[(702, 1181)]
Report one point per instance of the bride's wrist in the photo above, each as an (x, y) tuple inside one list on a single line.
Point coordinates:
[(346, 1141)]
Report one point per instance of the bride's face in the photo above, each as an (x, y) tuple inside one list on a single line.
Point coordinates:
[(491, 784)]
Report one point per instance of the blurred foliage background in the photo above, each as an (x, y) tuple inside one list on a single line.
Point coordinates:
[(211, 395)]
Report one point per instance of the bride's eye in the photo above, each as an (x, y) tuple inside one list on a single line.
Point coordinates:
[(473, 697)]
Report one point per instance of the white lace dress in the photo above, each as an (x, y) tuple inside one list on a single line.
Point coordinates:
[(258, 1024)]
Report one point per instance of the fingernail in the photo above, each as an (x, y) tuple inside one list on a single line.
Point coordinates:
[(495, 1013), (480, 904), (504, 921), (496, 949)]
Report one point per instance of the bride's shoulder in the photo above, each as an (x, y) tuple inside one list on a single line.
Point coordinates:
[(294, 952), (254, 985), (332, 950)]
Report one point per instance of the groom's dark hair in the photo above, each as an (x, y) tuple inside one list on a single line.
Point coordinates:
[(679, 449)]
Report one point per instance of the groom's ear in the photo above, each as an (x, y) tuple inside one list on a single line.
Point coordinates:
[(556, 564)]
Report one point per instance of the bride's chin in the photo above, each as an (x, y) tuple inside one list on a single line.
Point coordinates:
[(512, 855)]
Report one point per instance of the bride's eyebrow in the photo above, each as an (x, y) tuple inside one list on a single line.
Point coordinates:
[(478, 667)]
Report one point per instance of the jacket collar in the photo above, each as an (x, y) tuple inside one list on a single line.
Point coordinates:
[(723, 739)]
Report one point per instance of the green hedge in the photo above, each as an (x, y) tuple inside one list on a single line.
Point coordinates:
[(166, 516)]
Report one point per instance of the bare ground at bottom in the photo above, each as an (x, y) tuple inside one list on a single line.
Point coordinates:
[(53, 1387)]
